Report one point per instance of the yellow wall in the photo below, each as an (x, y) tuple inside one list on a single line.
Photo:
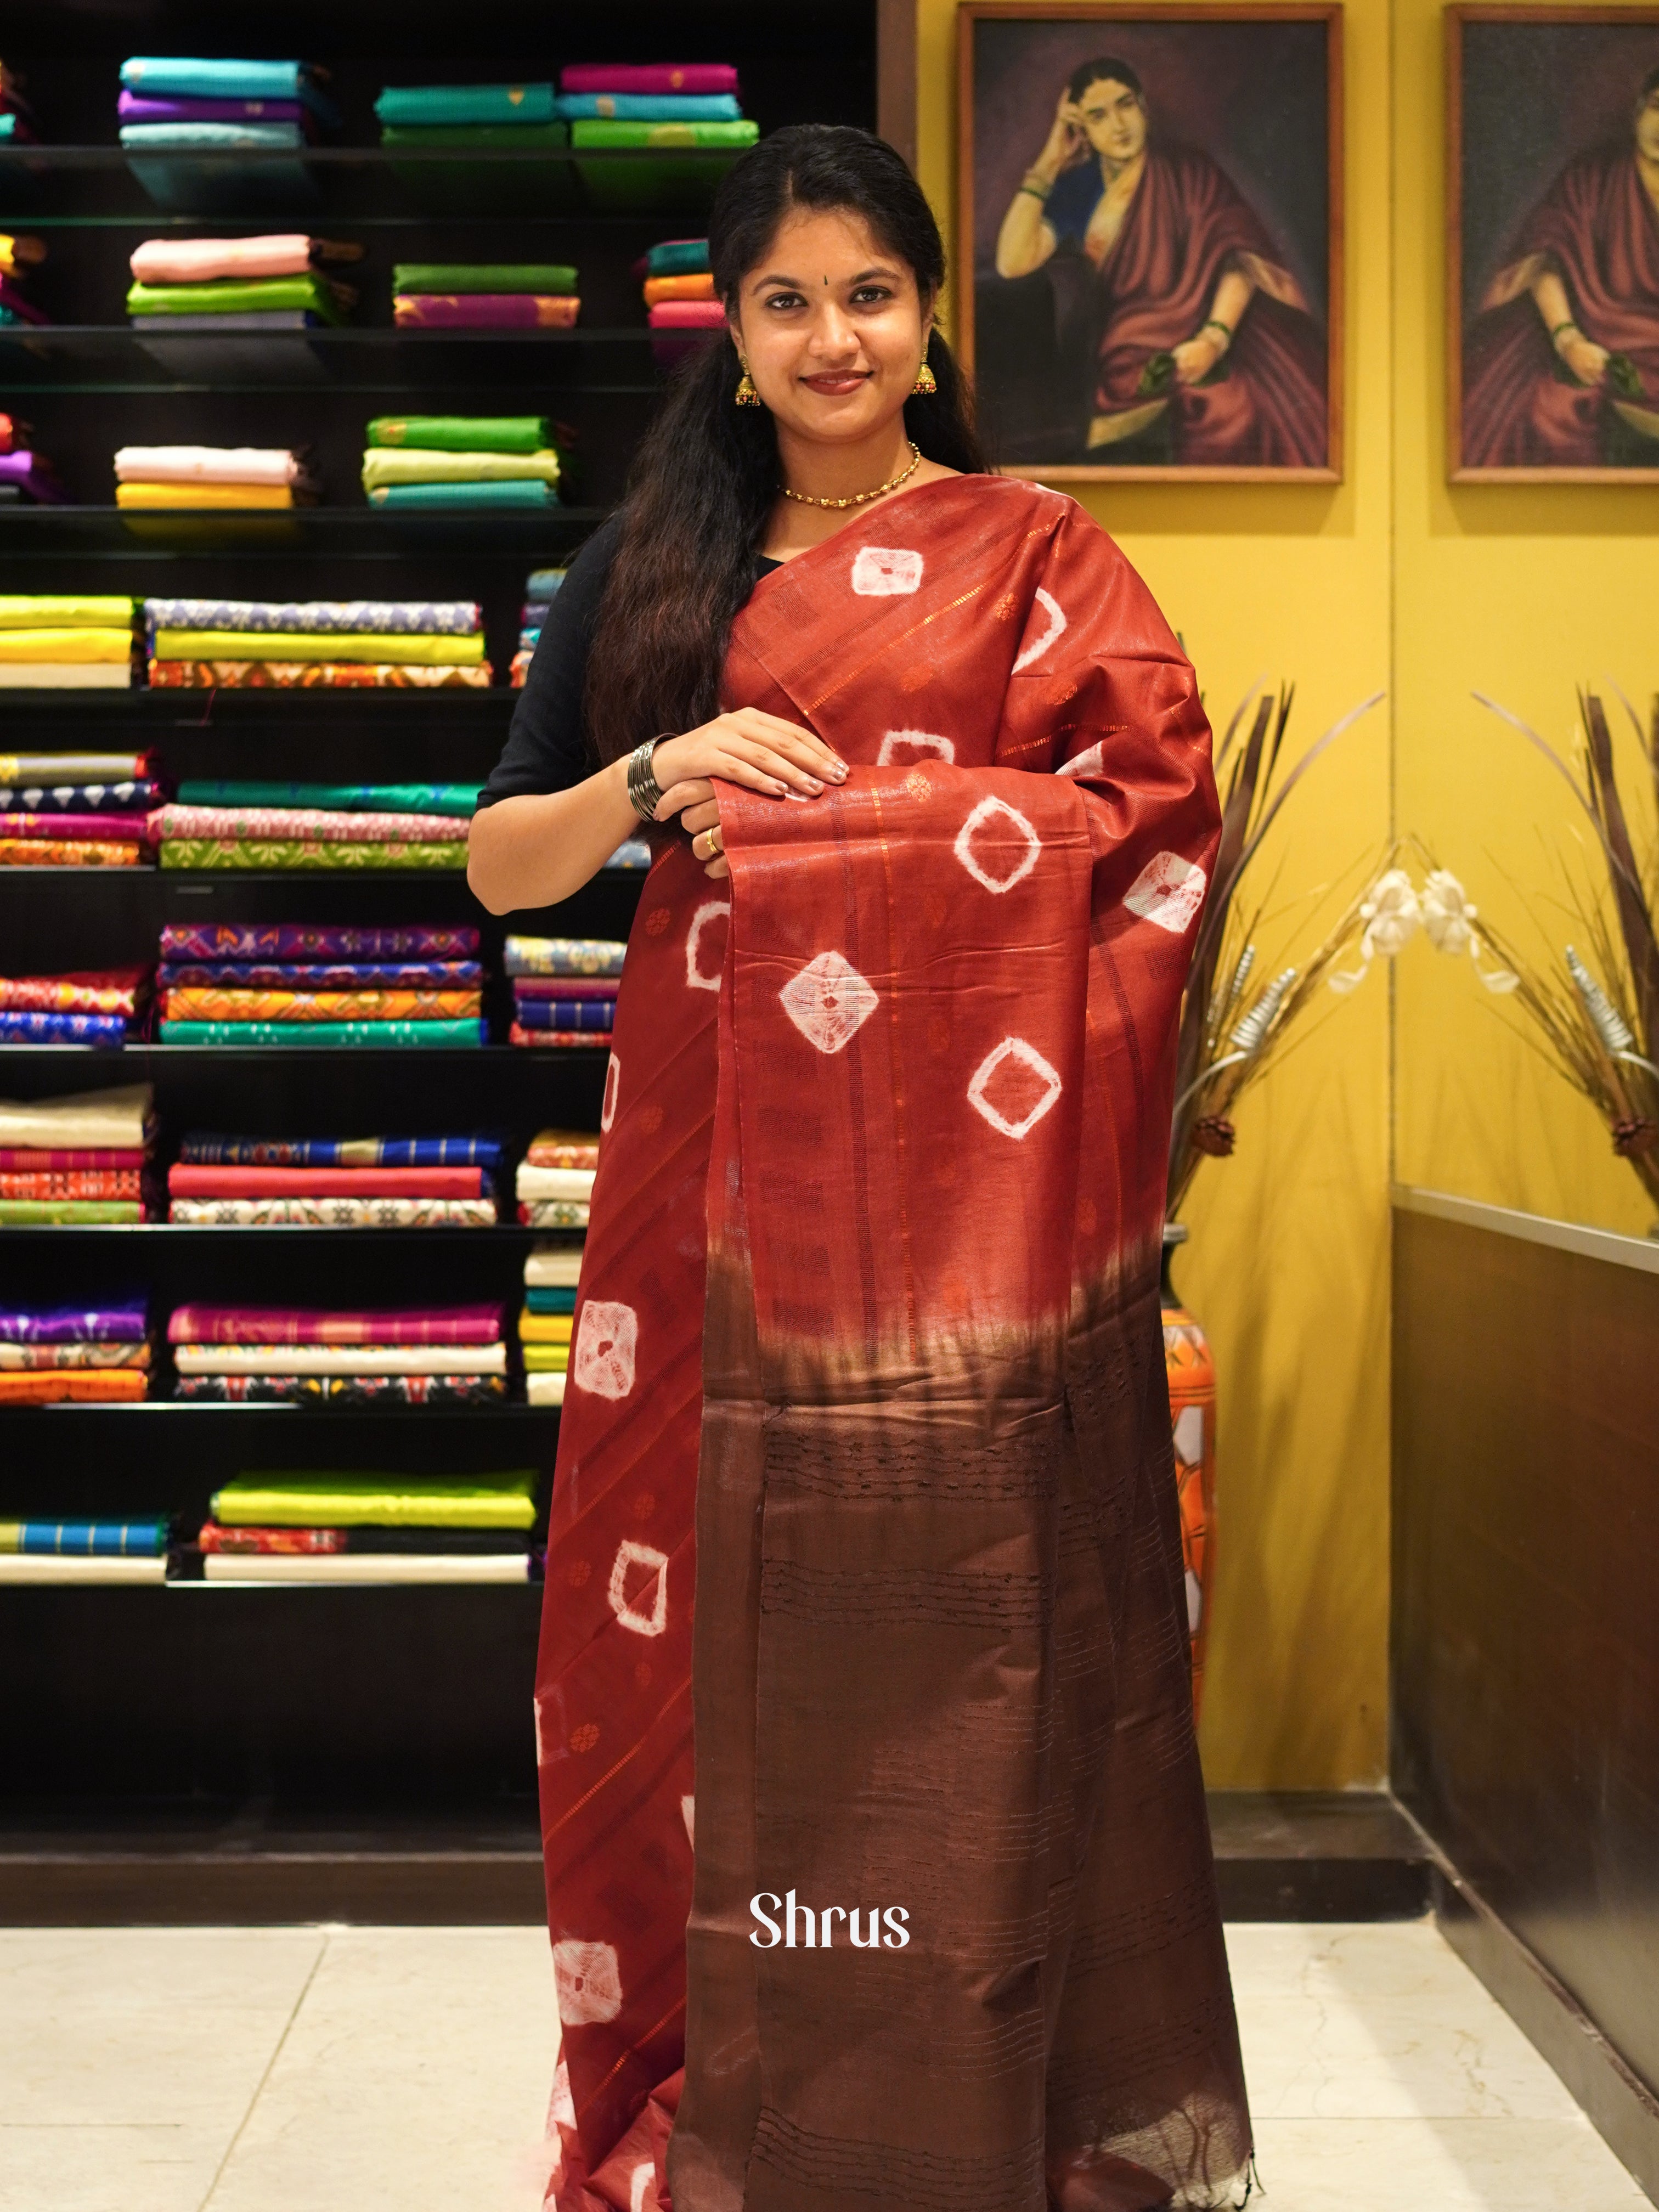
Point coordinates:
[(1395, 579)]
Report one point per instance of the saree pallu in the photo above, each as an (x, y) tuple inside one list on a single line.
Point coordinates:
[(868, 1343), (314, 1006), (333, 1213), (312, 675), (300, 940), (80, 852), (303, 853)]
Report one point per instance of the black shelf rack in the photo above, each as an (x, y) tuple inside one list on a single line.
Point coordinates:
[(386, 1717)]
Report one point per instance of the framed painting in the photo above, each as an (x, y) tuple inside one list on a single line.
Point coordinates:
[(1149, 257), (1552, 261)]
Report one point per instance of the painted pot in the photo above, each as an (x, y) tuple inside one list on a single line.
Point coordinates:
[(1191, 1373)]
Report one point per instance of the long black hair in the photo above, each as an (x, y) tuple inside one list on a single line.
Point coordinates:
[(706, 476)]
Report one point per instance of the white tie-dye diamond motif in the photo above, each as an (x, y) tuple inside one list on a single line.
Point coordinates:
[(689, 1814), (563, 2106), (710, 911), (643, 2177), (886, 572), (986, 812), (541, 1746), (909, 742), (1023, 1055), (627, 1610), (1039, 645), (829, 1001), (588, 1983), (1168, 891), (612, 1082), (607, 1338), (1091, 761)]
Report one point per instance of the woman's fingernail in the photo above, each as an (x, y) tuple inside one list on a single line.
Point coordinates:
[(778, 790), (812, 784), (839, 771)]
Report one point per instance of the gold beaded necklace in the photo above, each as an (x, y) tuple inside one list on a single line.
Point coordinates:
[(862, 498)]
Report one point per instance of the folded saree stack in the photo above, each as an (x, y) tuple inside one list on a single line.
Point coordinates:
[(564, 988), (372, 1527), (555, 1182), (76, 810), (18, 258), (324, 644), (65, 641), (449, 461), (540, 589), (101, 1005), (679, 287), (197, 478), (335, 1182), (451, 295), (243, 835), (95, 1354), (551, 1272), (183, 104), (653, 104), (305, 985), (281, 282), (78, 1161), (469, 118), (280, 1356), (85, 1550)]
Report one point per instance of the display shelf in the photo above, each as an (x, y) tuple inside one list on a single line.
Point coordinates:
[(369, 358), (348, 533)]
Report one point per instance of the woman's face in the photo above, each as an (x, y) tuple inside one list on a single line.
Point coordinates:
[(1114, 118), (832, 327)]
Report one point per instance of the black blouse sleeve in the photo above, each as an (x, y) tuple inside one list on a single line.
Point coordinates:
[(546, 747)]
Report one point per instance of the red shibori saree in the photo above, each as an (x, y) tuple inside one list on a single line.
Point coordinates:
[(867, 1337)]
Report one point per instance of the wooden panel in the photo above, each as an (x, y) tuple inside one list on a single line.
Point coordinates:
[(1526, 1598)]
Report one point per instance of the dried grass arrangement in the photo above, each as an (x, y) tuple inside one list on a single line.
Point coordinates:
[(1596, 1021), (1236, 1019)]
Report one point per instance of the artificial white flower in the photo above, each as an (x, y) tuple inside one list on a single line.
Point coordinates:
[(1447, 915), (1392, 915)]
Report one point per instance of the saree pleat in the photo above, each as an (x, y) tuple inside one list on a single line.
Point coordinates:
[(884, 1122)]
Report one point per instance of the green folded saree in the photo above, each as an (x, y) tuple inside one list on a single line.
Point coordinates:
[(601, 133), (356, 1501), (392, 465), (483, 276), (330, 1037), (276, 854), (241, 296), (484, 137), (359, 797), (463, 434), (67, 1212), (424, 649), (546, 1359), (520, 491)]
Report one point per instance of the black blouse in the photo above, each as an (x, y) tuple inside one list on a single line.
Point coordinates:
[(547, 747)]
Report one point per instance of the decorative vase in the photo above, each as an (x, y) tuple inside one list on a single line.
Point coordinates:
[(1191, 1373)]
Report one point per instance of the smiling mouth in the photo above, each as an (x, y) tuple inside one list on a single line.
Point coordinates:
[(832, 381)]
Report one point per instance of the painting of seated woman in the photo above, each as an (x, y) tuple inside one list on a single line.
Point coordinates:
[(1555, 290), (1149, 210)]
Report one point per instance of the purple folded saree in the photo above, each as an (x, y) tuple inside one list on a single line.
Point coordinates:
[(419, 1325), (342, 975), (485, 310), (113, 1324), (32, 477), (62, 1029), (137, 107), (566, 987)]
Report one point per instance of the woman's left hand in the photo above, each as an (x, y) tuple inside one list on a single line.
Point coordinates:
[(1195, 359), (703, 821)]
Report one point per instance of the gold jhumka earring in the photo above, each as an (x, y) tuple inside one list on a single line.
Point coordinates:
[(925, 382), (746, 395)]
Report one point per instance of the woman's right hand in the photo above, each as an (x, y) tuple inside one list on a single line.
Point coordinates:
[(1068, 138), (1587, 360), (746, 746)]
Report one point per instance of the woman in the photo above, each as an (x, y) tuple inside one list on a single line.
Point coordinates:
[(868, 1318), (1203, 350)]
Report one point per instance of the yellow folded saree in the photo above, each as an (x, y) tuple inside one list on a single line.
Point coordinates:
[(207, 494), (428, 651), (80, 647)]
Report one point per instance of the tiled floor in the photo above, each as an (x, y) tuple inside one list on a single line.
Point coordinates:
[(405, 2069)]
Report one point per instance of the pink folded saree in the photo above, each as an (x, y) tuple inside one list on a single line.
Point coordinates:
[(479, 1324), (224, 465), (648, 77), (485, 311), (687, 315), (198, 260)]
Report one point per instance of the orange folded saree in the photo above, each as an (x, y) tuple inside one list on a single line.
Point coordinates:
[(867, 1346)]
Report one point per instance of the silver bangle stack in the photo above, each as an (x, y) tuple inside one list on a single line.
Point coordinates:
[(644, 792)]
